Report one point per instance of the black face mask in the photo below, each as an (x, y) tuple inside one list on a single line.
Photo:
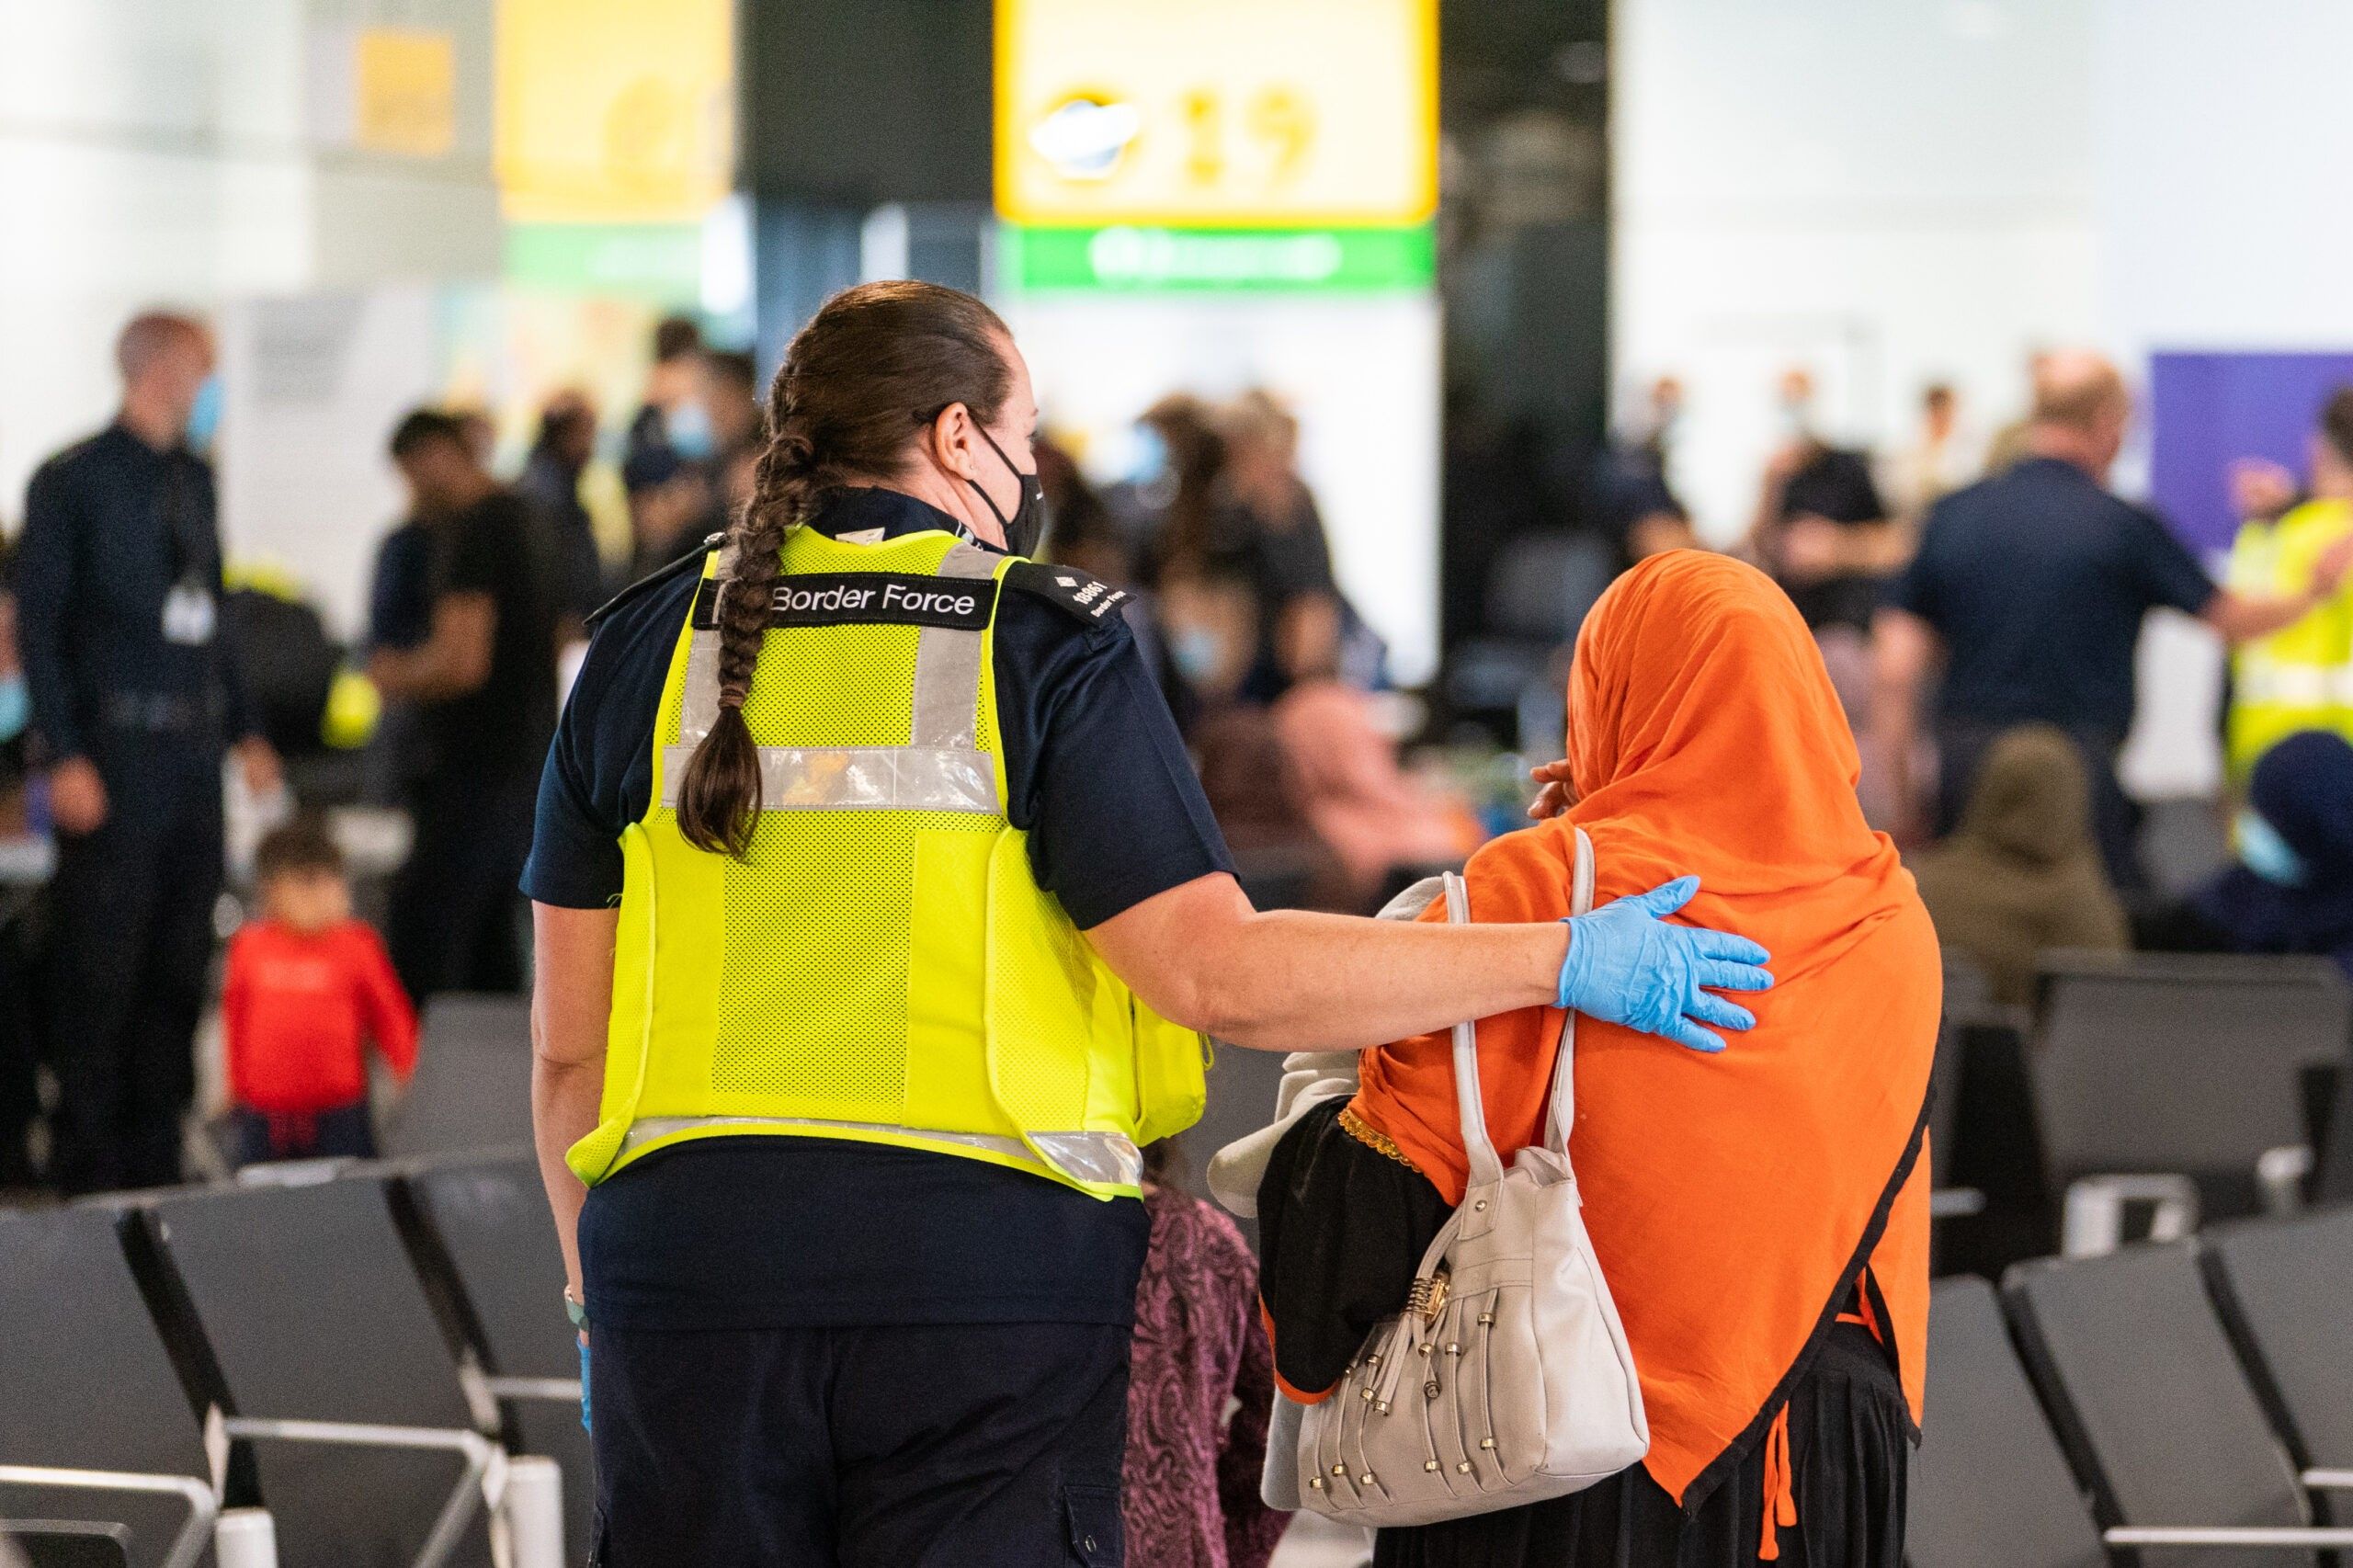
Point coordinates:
[(1028, 524)]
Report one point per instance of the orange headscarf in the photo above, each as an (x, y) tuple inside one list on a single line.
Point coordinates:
[(1732, 1199)]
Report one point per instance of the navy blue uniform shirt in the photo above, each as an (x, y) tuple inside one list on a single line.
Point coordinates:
[(2036, 580), (111, 527), (768, 1231)]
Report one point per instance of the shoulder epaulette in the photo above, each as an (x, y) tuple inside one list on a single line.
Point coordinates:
[(691, 560), (1068, 589)]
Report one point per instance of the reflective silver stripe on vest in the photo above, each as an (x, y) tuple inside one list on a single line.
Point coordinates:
[(860, 779), (947, 666), (701, 705), (940, 769), (2265, 679), (1105, 1159)]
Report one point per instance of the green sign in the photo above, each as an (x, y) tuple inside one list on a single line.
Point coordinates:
[(658, 262), (1126, 258)]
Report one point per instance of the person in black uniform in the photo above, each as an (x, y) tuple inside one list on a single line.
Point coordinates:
[(551, 483), (814, 1349), (135, 698), (483, 679)]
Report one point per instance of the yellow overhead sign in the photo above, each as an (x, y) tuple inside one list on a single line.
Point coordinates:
[(1235, 113), (408, 91), (615, 111)]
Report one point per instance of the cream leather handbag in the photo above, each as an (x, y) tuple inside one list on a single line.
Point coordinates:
[(1506, 1379)]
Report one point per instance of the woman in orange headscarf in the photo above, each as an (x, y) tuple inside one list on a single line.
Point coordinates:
[(1761, 1215)]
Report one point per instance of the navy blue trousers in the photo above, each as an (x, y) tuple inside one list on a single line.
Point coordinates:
[(913, 1446)]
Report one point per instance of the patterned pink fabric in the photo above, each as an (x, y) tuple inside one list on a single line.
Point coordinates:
[(1192, 1471)]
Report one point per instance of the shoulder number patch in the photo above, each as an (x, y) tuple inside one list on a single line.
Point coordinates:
[(1069, 590), (868, 599)]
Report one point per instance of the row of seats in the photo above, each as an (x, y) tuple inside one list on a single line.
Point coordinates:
[(385, 1333), (2148, 1405), (2200, 1083)]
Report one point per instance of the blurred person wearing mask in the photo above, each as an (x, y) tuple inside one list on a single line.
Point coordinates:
[(1629, 497), (1138, 502), (1822, 528), (732, 384), (669, 499), (135, 699), (483, 678), (736, 430), (2028, 590), (1281, 540), (2300, 678), (850, 1201), (551, 483), (2291, 890), (676, 415), (2021, 874)]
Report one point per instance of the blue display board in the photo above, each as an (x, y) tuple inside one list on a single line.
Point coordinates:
[(2208, 409)]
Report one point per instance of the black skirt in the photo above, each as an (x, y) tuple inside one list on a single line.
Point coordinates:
[(1343, 1226), (1849, 1443)]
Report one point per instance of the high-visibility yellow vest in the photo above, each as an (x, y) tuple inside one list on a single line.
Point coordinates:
[(882, 966), (2301, 676)]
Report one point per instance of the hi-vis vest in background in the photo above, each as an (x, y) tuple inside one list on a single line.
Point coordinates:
[(882, 966), (2300, 678)]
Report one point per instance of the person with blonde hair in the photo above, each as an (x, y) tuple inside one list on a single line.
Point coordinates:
[(2025, 602)]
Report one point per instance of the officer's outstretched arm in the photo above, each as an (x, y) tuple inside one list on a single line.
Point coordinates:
[(572, 999), (1289, 980)]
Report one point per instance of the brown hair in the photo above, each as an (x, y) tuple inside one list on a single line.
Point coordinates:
[(300, 848), (874, 363)]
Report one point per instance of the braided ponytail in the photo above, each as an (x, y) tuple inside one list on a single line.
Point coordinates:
[(872, 364)]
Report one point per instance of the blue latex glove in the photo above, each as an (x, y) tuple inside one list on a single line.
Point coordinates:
[(583, 1386), (1627, 965)]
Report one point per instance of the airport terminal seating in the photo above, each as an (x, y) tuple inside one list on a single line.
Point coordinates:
[(485, 1217), (2167, 1403), (334, 1365), (2285, 1291), (2180, 1078), (472, 1087), (95, 1423)]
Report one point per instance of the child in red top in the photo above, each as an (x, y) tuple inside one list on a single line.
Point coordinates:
[(308, 987)]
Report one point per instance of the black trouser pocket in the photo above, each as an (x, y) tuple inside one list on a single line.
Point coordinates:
[(1092, 1514)]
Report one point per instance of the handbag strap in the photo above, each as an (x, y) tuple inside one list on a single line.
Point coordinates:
[(1485, 1166), (1563, 1114)]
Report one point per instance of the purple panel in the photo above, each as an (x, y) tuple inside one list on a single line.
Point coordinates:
[(2208, 409)]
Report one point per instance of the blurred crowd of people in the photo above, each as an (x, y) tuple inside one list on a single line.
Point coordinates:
[(149, 662), (1979, 608)]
